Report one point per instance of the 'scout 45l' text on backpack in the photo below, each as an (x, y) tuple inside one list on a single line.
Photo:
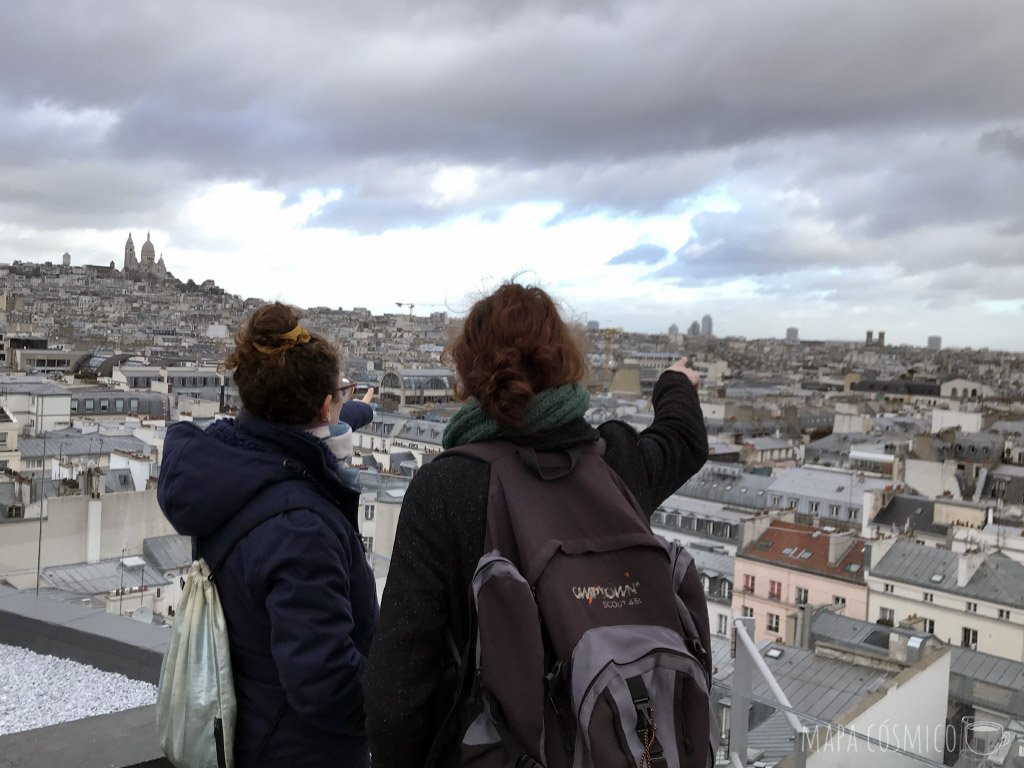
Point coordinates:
[(592, 644)]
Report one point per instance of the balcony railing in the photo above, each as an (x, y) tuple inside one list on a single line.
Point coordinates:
[(748, 659)]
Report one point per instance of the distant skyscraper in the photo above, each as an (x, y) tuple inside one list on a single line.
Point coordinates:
[(694, 329), (792, 334), (673, 330), (593, 325), (935, 343), (705, 326)]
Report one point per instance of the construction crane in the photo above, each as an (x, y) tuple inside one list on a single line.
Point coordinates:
[(410, 305)]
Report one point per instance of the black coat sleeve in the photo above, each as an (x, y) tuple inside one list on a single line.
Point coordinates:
[(657, 461)]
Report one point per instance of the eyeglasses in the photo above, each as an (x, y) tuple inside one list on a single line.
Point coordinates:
[(346, 385)]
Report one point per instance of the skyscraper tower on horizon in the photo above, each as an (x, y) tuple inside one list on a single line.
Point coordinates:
[(706, 328)]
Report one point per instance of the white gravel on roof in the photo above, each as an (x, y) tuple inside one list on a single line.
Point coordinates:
[(36, 691)]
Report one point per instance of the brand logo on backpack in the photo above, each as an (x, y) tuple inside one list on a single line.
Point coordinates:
[(612, 595)]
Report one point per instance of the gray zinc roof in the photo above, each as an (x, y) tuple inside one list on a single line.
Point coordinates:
[(38, 388), (104, 576), (713, 563), (916, 513), (819, 687), (998, 579), (987, 681), (864, 636), (80, 445), (421, 431), (168, 553), (118, 481), (840, 487), (728, 484)]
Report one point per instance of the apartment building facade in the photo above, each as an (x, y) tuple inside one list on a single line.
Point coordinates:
[(971, 599), (790, 568)]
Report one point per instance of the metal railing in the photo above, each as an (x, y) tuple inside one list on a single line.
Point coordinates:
[(748, 659)]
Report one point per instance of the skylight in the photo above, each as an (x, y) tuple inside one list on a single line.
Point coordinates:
[(805, 555), (774, 653), (788, 551), (936, 578)]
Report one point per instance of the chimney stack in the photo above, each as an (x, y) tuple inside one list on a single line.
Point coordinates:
[(838, 545), (967, 565)]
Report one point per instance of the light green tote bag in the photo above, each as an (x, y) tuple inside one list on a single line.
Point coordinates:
[(195, 708)]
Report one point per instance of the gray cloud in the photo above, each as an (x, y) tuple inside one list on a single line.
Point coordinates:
[(848, 134), (645, 253)]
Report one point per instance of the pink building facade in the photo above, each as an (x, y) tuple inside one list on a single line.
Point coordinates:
[(791, 568)]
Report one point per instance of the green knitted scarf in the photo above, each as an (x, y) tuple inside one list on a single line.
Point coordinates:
[(548, 409)]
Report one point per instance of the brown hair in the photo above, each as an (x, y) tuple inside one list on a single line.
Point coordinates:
[(280, 380), (512, 345)]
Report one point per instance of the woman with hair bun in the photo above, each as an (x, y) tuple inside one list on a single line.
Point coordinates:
[(297, 593), (521, 370)]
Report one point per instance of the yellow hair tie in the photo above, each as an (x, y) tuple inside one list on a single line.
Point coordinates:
[(297, 335)]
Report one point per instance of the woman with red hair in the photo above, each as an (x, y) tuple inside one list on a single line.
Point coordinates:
[(521, 370)]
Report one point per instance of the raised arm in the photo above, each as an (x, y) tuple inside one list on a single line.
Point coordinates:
[(657, 461)]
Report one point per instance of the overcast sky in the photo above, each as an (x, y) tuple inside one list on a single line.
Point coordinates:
[(831, 165)]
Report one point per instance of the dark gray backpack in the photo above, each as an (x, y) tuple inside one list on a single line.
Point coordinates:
[(592, 644)]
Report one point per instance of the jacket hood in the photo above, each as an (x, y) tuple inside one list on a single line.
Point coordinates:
[(208, 476)]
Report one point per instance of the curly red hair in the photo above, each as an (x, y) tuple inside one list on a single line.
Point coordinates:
[(513, 344)]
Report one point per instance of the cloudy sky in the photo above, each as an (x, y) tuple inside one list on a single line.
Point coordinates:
[(832, 165)]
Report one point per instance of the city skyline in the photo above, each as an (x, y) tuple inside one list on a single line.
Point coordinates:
[(832, 168)]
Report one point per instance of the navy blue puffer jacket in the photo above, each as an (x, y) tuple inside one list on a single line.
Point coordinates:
[(298, 595)]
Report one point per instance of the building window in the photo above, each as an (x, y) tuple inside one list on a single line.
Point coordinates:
[(969, 638), (887, 588), (773, 622), (368, 512), (89, 404), (74, 406), (833, 509), (791, 503), (119, 406), (748, 612), (929, 626), (776, 501), (133, 405), (774, 590), (104, 404), (748, 583), (886, 616), (723, 624), (928, 597), (1004, 614), (368, 543), (801, 596), (972, 607), (839, 602), (851, 513), (812, 506)]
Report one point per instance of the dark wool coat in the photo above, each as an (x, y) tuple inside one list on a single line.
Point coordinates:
[(298, 595), (411, 679)]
